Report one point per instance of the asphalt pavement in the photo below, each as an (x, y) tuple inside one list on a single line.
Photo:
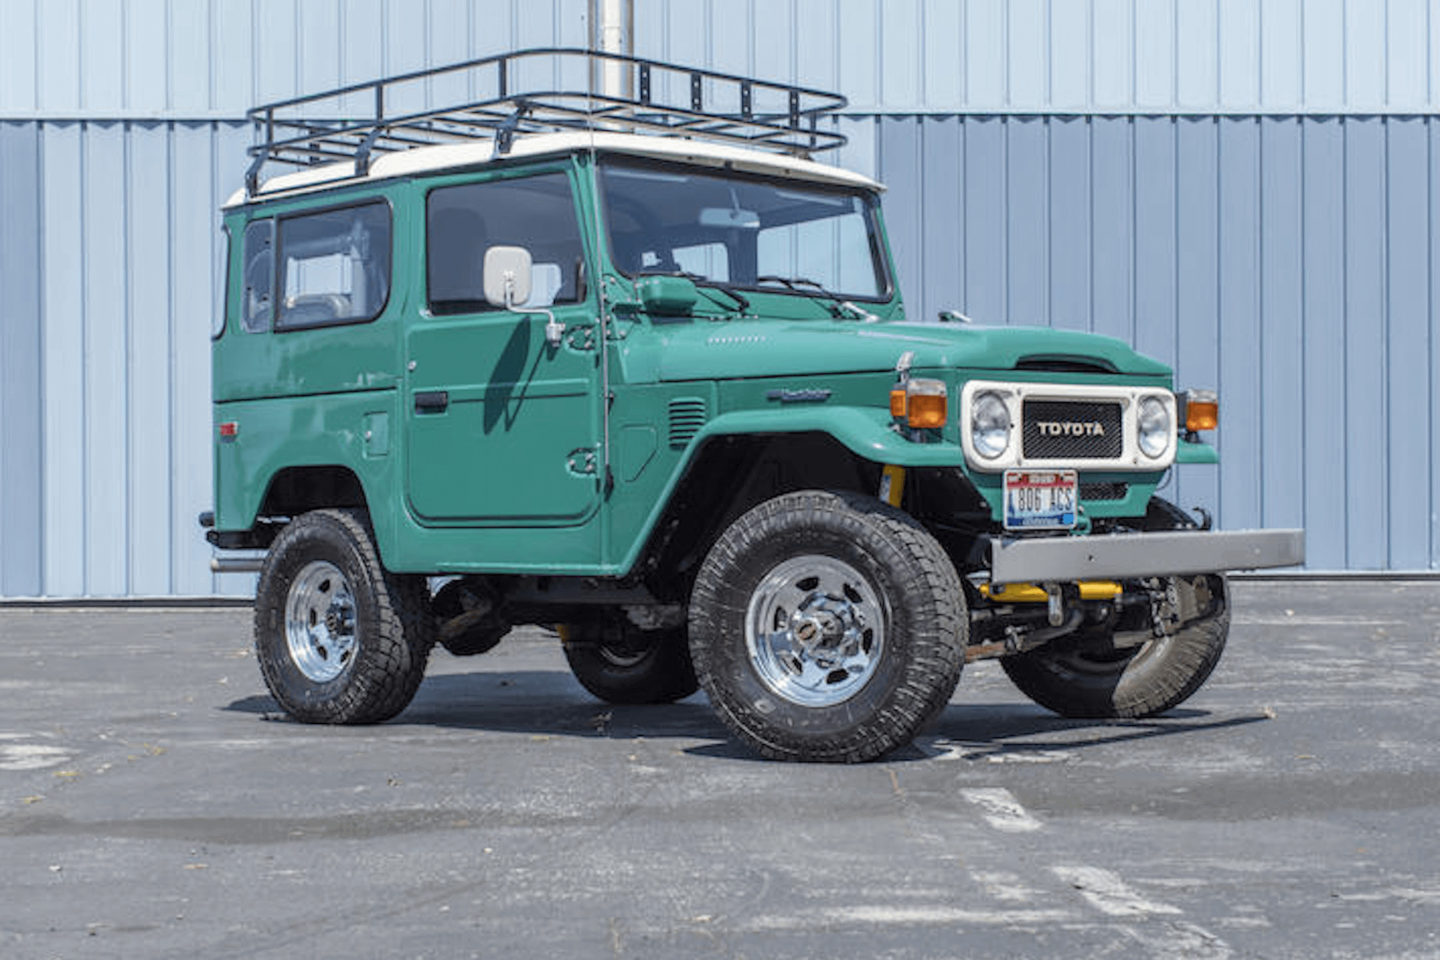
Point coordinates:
[(155, 804)]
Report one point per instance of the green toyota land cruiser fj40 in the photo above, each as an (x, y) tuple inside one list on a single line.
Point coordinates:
[(629, 364)]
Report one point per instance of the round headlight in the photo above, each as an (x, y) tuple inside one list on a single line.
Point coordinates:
[(1155, 427), (989, 425)]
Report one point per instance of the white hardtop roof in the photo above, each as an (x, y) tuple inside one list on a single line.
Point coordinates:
[(447, 156)]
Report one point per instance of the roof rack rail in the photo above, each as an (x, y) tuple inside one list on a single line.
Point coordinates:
[(541, 89)]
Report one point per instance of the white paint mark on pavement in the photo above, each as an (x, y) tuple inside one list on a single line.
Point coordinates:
[(25, 756), (1179, 940), (1001, 810), (989, 753), (1008, 887), (1111, 895), (907, 915)]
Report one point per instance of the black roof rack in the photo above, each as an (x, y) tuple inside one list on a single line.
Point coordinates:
[(543, 89)]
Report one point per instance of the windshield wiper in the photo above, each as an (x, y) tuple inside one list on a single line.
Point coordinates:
[(703, 282), (842, 309)]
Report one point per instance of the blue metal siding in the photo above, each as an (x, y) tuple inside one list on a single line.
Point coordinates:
[(215, 58), (109, 257), (1085, 56), (1199, 178), (21, 450), (1287, 261)]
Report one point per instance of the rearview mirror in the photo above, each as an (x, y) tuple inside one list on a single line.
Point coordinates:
[(731, 218), (507, 276)]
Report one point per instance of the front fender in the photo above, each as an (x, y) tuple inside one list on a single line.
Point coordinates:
[(865, 431)]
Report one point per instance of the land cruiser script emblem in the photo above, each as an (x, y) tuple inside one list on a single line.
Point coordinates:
[(1068, 428)]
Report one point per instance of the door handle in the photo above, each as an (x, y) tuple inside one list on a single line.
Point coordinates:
[(432, 401)]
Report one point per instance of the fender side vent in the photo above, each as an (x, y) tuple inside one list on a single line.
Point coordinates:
[(687, 416)]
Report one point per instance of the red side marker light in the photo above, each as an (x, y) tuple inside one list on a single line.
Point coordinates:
[(229, 430)]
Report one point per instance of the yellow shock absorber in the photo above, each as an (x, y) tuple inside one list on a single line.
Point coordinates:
[(1032, 593)]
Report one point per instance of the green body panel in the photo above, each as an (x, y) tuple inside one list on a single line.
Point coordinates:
[(1196, 453), (698, 351), (277, 433), (508, 475)]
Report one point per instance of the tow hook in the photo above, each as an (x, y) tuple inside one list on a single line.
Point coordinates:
[(1054, 604)]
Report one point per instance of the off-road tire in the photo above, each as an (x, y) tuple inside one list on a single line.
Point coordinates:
[(917, 592), (651, 666), (393, 630), (1078, 679)]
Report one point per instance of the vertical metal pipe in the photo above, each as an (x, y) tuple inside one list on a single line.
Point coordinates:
[(612, 30)]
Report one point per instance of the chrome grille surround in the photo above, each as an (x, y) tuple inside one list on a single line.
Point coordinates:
[(1080, 446)]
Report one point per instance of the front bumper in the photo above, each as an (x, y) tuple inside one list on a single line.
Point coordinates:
[(1123, 555)]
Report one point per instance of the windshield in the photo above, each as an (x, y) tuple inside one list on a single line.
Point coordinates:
[(742, 231)]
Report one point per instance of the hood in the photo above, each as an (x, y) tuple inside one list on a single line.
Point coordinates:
[(705, 350)]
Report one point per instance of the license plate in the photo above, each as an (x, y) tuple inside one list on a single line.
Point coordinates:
[(1040, 499)]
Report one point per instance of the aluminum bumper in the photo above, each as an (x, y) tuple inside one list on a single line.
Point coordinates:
[(1122, 555)]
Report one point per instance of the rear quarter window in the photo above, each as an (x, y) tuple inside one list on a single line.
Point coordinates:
[(258, 293), (334, 266)]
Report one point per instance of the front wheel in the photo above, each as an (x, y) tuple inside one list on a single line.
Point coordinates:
[(1089, 677), (827, 626), (339, 638)]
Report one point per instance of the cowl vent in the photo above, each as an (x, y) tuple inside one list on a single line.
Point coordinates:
[(1064, 365)]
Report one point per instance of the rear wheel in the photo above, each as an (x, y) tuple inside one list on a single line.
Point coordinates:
[(827, 626), (620, 663), (1089, 676), (339, 638)]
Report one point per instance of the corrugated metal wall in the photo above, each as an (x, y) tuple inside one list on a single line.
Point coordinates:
[(196, 58), (1290, 262), (109, 263), (1200, 178), (1049, 56)]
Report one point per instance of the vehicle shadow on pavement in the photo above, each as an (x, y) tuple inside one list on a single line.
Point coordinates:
[(551, 703), (1022, 732), (536, 702)]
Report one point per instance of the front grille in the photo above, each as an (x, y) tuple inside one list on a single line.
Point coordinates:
[(1071, 430), (1104, 491)]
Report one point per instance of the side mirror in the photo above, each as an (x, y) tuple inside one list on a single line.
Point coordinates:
[(507, 276)]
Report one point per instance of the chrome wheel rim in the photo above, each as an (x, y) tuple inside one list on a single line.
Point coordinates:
[(815, 630), (320, 622)]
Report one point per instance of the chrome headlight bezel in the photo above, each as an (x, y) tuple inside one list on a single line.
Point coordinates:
[(990, 425), (1154, 427)]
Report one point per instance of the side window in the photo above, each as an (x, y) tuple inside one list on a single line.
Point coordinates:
[(334, 266), (537, 213), (221, 281), (256, 308)]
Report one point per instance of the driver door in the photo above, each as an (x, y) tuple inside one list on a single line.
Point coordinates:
[(503, 426)]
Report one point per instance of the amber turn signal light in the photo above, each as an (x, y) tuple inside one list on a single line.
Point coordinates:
[(922, 404), (1202, 410)]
